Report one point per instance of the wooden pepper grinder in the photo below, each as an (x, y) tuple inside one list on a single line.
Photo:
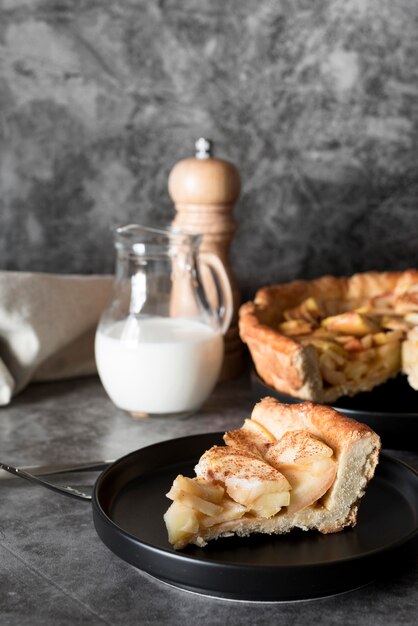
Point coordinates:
[(204, 190)]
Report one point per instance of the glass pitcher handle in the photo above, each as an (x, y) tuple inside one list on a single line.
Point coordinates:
[(225, 308)]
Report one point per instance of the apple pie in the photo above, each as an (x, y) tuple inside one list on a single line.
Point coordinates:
[(290, 466), (321, 339)]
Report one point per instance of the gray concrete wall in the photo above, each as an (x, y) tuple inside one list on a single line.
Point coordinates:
[(316, 101)]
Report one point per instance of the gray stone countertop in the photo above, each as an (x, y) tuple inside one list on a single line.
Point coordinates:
[(54, 567)]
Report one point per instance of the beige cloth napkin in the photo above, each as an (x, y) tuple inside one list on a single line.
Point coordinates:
[(47, 327)]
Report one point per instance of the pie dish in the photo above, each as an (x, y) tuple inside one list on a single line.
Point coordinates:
[(330, 337), (290, 466)]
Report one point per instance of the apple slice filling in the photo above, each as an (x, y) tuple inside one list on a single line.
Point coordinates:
[(246, 477), (352, 345), (306, 463), (254, 475)]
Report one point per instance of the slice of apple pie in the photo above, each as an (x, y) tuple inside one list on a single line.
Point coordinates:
[(289, 466)]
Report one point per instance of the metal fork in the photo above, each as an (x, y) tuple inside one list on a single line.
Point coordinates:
[(65, 490)]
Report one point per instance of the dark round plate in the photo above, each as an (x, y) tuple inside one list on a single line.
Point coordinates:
[(390, 409), (129, 502)]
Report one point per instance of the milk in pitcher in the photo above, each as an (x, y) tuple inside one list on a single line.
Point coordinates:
[(158, 365)]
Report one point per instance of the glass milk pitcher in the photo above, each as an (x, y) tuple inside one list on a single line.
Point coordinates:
[(159, 345)]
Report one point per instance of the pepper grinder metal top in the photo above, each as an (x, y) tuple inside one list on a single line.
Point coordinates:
[(204, 190), (204, 148)]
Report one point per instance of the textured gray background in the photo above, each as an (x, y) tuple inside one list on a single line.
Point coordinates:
[(316, 101)]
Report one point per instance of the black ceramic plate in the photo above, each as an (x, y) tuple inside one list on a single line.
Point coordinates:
[(390, 409), (129, 502)]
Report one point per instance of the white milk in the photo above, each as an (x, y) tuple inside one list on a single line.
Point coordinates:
[(158, 365)]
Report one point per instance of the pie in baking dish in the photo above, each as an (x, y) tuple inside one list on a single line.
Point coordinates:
[(290, 466), (321, 339)]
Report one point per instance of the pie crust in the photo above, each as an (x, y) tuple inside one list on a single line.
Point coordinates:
[(291, 364), (306, 448)]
